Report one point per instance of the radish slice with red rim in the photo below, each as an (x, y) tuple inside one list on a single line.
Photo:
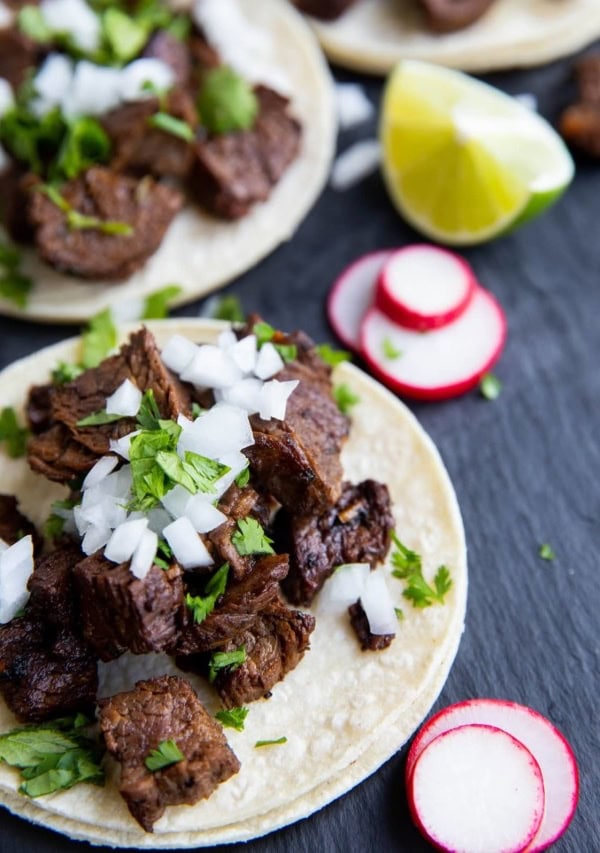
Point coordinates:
[(441, 363), (477, 789), (424, 287), (352, 293), (551, 750)]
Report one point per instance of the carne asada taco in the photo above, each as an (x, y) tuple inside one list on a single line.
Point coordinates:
[(373, 35), (206, 583), (207, 132)]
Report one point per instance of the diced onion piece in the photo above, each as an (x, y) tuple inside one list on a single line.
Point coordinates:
[(121, 445), (528, 99), (344, 587), (211, 368), (4, 546), (236, 462), (128, 310), (6, 16), (227, 338), (125, 539), (108, 512), (244, 354), (203, 515), (188, 549), (355, 163), (136, 76), (223, 429), (118, 484), (94, 539), (94, 91), (158, 519), (178, 352), (143, 557), (176, 501), (273, 398), (377, 604), (7, 98), (54, 79), (76, 19), (245, 394), (353, 105), (126, 400), (268, 362), (16, 566), (101, 469)]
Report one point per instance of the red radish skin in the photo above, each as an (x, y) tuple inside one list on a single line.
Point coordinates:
[(477, 789), (352, 294), (441, 363), (424, 287), (550, 748)]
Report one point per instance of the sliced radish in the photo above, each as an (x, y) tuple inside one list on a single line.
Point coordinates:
[(424, 287), (477, 789), (351, 295), (542, 739), (441, 363)]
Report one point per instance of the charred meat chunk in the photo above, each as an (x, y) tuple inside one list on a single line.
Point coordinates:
[(57, 456), (356, 530), (326, 10), (368, 642), (173, 52), (13, 524), (139, 147), (137, 722), (445, 16), (17, 55), (145, 206), (274, 646), (237, 503), (580, 123), (119, 611), (233, 171), (51, 588)]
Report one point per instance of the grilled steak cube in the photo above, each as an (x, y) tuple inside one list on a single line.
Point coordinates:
[(173, 52), (326, 10), (360, 623), (51, 597), (233, 171), (137, 722), (236, 504), (17, 55), (13, 524), (146, 206), (119, 611), (445, 16), (275, 644), (356, 530)]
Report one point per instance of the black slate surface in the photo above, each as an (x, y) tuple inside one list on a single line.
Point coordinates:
[(526, 469)]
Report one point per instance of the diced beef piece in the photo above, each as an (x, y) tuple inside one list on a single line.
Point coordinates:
[(57, 456), (39, 408), (52, 597), (148, 207), (356, 530), (136, 722), (580, 123), (173, 52), (445, 16), (119, 611), (138, 147), (237, 503), (233, 171), (368, 642), (13, 524), (235, 611), (17, 55), (15, 188), (274, 645), (326, 10)]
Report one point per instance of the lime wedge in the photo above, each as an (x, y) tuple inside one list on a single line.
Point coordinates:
[(463, 162)]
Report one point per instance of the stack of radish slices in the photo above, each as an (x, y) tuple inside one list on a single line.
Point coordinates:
[(420, 320), (489, 776)]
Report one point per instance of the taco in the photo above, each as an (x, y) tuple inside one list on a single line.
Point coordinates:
[(335, 711), (373, 35), (212, 136)]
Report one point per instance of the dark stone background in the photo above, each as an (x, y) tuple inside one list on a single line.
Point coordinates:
[(526, 469)]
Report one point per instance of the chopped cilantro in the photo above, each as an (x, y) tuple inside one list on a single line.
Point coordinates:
[(99, 339), (124, 35), (227, 101), (14, 286), (197, 410), (243, 478), (156, 306), (288, 352), (54, 524), (399, 613), (77, 221), (264, 332), (408, 566), (234, 718), (99, 418), (148, 416), (345, 397), (203, 605), (171, 125), (490, 386), (31, 23), (166, 753), (332, 356), (65, 372), (164, 555), (277, 742), (229, 308), (546, 552), (29, 137), (389, 350), (226, 660), (85, 143), (12, 434), (250, 538)]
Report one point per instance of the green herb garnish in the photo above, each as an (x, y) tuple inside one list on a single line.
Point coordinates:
[(546, 552), (399, 614), (227, 101), (55, 523), (99, 339), (164, 555), (14, 286), (264, 332), (28, 137), (408, 566), (77, 221), (345, 397), (288, 352), (197, 410), (171, 125), (203, 605), (225, 660), (156, 306), (279, 740), (234, 718), (85, 143), (250, 538), (389, 350), (332, 356), (12, 434), (490, 386), (243, 478), (31, 23), (166, 753), (99, 418), (65, 372), (124, 36), (229, 308), (148, 416)]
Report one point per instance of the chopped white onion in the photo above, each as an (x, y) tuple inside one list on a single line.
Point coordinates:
[(377, 604), (268, 362), (136, 76), (236, 462), (125, 539), (227, 338), (6, 16), (94, 539), (188, 549), (273, 398), (126, 400), (355, 163), (244, 354), (211, 368), (176, 501), (528, 99), (75, 18), (54, 79), (128, 310), (245, 394), (4, 546), (7, 98), (95, 90), (108, 512), (158, 519), (203, 515), (344, 587), (101, 469), (223, 429), (353, 105), (121, 445), (178, 352), (16, 566), (143, 557)]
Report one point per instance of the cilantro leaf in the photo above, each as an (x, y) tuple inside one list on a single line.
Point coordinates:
[(250, 538), (65, 372), (332, 356), (125, 36), (156, 306), (85, 143), (13, 435), (345, 398), (546, 552), (408, 566), (99, 418), (229, 308), (29, 137), (226, 102), (234, 718), (279, 740), (264, 332), (77, 221), (197, 410), (171, 125), (54, 524), (164, 555), (389, 350), (490, 386), (148, 416), (166, 753), (399, 614), (14, 286), (31, 23), (404, 560), (288, 352), (99, 339), (225, 660), (442, 582), (243, 478), (203, 606)]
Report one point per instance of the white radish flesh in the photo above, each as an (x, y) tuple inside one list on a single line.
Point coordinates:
[(424, 287), (352, 294), (126, 400), (548, 746), (478, 790), (441, 363)]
